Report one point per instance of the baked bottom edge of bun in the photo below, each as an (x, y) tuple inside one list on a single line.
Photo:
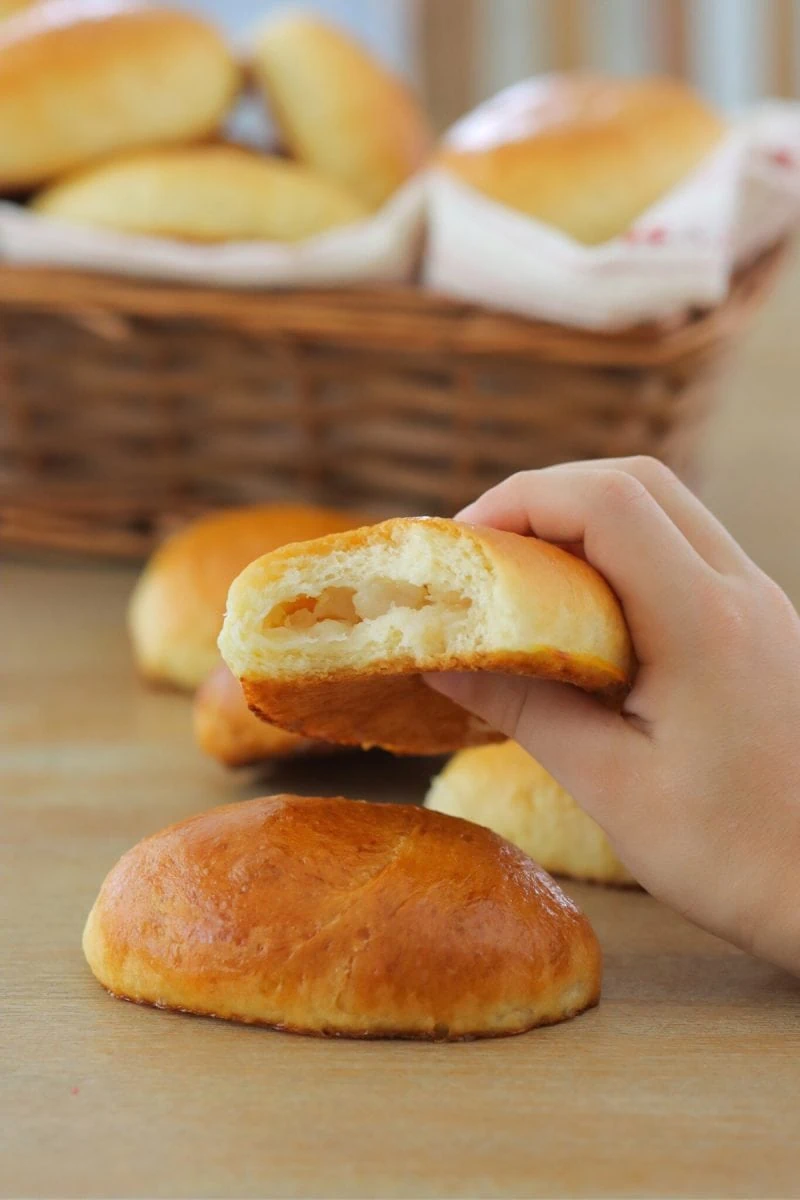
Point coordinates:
[(360, 1033), (388, 703)]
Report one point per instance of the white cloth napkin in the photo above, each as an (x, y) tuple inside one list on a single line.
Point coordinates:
[(383, 248), (680, 254)]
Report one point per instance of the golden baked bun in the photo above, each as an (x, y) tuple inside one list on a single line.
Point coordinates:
[(329, 638), (175, 613), (8, 8), (583, 153), (203, 194), (81, 80), (225, 729), (339, 917), (337, 108), (506, 790)]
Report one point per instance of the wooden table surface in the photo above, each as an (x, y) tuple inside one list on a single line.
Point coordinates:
[(684, 1082)]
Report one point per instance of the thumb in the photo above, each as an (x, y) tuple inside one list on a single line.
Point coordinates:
[(577, 740)]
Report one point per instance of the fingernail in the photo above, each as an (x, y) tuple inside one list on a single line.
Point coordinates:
[(465, 514)]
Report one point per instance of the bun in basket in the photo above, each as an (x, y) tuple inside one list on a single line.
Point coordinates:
[(329, 638), (8, 8), (81, 80), (506, 790), (583, 153), (338, 109), (176, 610), (225, 729), (203, 194), (343, 918)]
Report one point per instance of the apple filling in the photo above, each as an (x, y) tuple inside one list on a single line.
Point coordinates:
[(351, 606)]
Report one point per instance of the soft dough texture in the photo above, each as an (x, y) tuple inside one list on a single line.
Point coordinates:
[(339, 917), (583, 153), (175, 613), (338, 109), (203, 194), (81, 80), (225, 729), (506, 790), (329, 638)]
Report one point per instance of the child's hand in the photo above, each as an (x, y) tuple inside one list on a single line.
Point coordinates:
[(697, 782)]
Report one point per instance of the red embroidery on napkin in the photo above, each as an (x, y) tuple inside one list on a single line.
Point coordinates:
[(650, 237), (782, 158)]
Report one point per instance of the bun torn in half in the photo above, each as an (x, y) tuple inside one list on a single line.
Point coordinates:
[(329, 638)]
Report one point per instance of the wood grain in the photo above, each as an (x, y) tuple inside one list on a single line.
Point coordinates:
[(683, 1083)]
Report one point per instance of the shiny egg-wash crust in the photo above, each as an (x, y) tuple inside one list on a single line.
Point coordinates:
[(341, 918)]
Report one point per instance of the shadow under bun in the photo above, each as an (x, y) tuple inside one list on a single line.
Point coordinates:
[(338, 917), (329, 638)]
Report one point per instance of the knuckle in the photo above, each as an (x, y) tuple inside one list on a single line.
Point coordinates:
[(618, 491), (775, 598), (518, 481), (726, 611), (651, 471)]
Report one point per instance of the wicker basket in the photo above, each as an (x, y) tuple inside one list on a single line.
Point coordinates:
[(127, 406)]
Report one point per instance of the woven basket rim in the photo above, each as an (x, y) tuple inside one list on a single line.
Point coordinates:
[(402, 317)]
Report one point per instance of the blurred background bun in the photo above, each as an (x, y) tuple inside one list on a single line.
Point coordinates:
[(583, 153), (177, 606), (225, 728), (8, 8), (337, 108), (506, 790), (203, 194), (81, 80)]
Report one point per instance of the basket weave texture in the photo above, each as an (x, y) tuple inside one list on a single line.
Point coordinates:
[(126, 406)]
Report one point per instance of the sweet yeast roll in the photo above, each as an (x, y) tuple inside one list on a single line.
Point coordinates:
[(9, 8), (225, 728), (506, 790), (79, 80), (333, 916), (176, 610), (329, 638), (337, 108), (212, 193), (584, 153)]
